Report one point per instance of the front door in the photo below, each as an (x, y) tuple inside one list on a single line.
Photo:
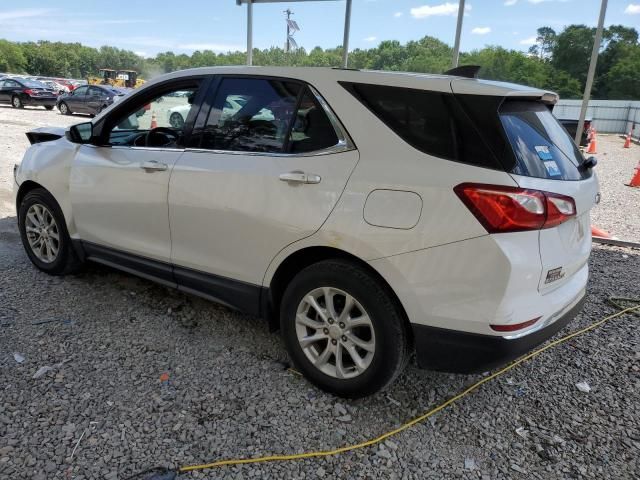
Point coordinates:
[(268, 169), (119, 188), (77, 100)]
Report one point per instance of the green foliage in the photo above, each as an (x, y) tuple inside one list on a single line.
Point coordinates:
[(558, 61)]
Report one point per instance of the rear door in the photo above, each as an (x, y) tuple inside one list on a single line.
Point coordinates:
[(269, 164), (547, 159)]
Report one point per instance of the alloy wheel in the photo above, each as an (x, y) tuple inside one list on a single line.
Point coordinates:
[(42, 232), (335, 332)]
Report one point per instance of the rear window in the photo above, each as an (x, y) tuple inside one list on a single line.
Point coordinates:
[(542, 147)]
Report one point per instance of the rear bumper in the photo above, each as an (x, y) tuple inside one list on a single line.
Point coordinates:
[(461, 352), (40, 102)]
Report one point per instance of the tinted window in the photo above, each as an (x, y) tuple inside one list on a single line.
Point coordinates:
[(542, 147), (311, 129), (11, 83), (419, 117), (80, 91), (252, 115)]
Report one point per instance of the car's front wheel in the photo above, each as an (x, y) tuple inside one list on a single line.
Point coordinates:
[(44, 234), (343, 329), (64, 109)]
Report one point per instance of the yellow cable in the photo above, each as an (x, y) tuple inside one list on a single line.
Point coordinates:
[(401, 428)]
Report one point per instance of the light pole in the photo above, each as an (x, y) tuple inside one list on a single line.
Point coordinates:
[(456, 45), (592, 71)]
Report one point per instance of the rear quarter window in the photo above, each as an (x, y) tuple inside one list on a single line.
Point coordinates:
[(430, 121), (542, 147)]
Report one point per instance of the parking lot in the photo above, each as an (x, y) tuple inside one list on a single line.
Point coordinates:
[(103, 411)]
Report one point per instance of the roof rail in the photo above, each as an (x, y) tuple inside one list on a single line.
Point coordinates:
[(468, 71)]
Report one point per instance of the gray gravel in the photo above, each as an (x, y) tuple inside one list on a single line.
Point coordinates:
[(619, 209), (102, 411)]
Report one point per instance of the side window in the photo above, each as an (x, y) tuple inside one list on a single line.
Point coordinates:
[(311, 129), (98, 92), (251, 115), (11, 84), (168, 110), (80, 91), (419, 117)]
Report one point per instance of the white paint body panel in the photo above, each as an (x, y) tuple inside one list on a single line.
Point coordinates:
[(118, 204), (231, 215), (393, 209)]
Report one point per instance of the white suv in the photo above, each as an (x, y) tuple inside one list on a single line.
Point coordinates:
[(365, 214)]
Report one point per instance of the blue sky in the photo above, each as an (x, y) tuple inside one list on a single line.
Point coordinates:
[(149, 27)]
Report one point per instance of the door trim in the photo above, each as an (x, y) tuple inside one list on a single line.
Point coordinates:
[(236, 294)]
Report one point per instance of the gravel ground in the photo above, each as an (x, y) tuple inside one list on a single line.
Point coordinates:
[(103, 411), (619, 209)]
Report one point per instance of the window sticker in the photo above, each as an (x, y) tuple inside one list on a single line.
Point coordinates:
[(552, 168), (544, 153)]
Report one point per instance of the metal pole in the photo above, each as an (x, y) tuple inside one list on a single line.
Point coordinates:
[(345, 41), (592, 71), (250, 32), (456, 45)]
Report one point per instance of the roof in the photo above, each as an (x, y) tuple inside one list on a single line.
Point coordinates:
[(421, 81)]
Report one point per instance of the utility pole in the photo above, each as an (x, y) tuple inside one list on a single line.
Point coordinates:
[(456, 45), (288, 44), (592, 71)]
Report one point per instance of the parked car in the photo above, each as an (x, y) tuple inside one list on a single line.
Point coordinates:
[(91, 99), (571, 125), (20, 92), (372, 215), (233, 104), (59, 88)]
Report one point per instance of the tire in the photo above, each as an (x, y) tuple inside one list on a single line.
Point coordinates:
[(385, 337), (176, 120), (49, 107), (64, 109), (38, 207), (16, 102)]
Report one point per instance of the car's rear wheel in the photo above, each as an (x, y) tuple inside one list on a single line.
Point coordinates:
[(44, 234), (49, 107), (16, 102), (176, 120), (343, 329), (64, 109)]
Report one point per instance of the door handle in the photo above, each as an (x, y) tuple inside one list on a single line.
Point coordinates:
[(300, 177), (153, 166)]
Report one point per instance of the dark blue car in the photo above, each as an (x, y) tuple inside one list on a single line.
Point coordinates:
[(91, 99)]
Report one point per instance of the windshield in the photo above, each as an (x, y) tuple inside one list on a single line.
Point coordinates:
[(542, 147)]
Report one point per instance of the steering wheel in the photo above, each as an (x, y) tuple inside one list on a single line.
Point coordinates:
[(172, 134)]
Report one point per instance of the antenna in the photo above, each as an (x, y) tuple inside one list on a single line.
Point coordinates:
[(292, 27)]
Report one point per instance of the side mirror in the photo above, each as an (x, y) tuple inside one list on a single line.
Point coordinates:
[(80, 133), (589, 163)]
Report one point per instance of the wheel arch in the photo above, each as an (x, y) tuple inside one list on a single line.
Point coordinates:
[(300, 259)]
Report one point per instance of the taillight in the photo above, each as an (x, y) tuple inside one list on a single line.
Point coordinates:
[(28, 91), (510, 209), (514, 326)]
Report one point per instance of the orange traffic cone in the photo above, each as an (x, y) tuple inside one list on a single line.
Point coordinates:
[(597, 232), (635, 180), (627, 142), (154, 123), (592, 143)]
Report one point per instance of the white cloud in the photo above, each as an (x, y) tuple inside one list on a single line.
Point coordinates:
[(370, 39), (528, 41), (140, 53), (632, 9), (481, 30), (509, 3), (443, 9), (397, 14), (24, 13), (216, 47)]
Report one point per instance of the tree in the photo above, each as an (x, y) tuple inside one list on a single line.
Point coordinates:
[(545, 43)]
